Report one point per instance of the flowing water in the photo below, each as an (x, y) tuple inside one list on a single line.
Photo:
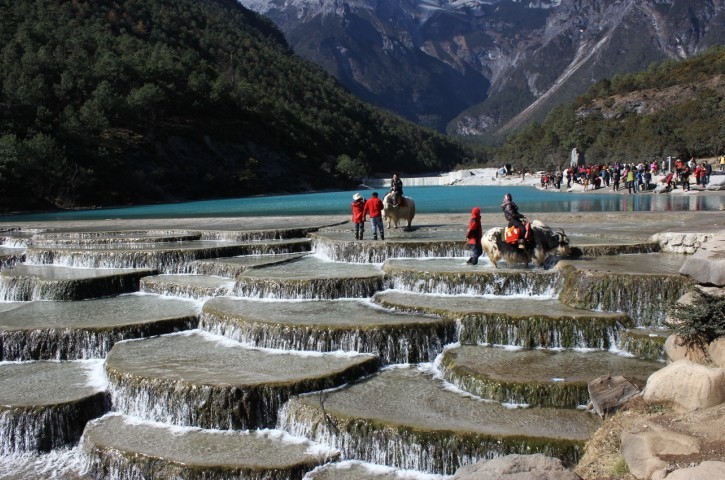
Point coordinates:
[(307, 353)]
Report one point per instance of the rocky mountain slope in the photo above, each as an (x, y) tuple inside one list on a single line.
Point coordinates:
[(487, 67)]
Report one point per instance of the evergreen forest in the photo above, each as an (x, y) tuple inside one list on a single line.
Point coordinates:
[(108, 103), (124, 102)]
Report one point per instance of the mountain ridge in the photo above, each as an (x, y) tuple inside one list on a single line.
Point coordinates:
[(482, 69)]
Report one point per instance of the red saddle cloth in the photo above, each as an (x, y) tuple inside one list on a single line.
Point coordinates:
[(512, 234)]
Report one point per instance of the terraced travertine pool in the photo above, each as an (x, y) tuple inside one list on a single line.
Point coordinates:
[(153, 353)]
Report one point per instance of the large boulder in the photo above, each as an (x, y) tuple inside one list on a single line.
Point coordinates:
[(642, 451), (686, 386), (517, 467), (707, 265), (675, 350)]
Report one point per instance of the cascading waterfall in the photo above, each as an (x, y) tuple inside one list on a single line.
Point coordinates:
[(45, 405), (196, 287), (9, 260), (644, 344), (287, 403), (204, 406), (406, 448), (412, 343), (308, 289), (167, 261), (45, 429), (77, 344), (378, 252), (476, 283), (541, 331), (213, 406), (257, 236), (645, 298), (22, 288), (123, 448)]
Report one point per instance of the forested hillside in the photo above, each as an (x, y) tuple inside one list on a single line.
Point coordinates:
[(126, 102), (672, 109)]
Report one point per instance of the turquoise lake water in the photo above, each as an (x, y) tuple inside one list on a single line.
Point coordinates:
[(456, 199)]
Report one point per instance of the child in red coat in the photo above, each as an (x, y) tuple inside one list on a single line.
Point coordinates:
[(358, 215), (473, 235)]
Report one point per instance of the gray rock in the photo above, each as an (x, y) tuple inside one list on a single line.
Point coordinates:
[(707, 265), (686, 386), (716, 351), (717, 182), (675, 350), (705, 471), (642, 451), (678, 242), (517, 467)]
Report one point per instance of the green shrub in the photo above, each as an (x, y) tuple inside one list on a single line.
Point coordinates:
[(700, 322)]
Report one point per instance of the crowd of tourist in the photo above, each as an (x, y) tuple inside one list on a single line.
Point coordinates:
[(635, 178)]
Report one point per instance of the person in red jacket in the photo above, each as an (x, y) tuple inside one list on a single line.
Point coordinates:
[(374, 208), (473, 235), (358, 215)]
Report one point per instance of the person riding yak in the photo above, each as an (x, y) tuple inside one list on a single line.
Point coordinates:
[(396, 188), (518, 231)]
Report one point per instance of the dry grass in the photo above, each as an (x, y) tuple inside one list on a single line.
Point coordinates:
[(603, 460)]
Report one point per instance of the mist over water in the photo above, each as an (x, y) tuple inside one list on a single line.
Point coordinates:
[(438, 199)]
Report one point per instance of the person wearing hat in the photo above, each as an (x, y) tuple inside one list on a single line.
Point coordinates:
[(358, 215), (396, 188)]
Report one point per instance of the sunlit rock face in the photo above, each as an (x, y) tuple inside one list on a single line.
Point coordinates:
[(452, 64)]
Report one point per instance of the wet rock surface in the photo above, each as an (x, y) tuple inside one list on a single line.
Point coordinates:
[(198, 379), (536, 377), (55, 282), (429, 428), (88, 329), (44, 405), (117, 443), (326, 325)]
